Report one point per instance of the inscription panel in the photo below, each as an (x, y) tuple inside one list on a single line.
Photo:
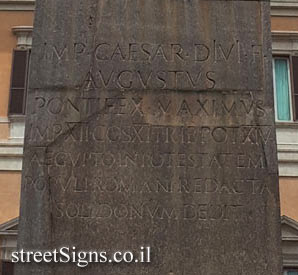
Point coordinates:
[(152, 124)]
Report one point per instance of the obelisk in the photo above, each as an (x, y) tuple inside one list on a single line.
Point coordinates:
[(150, 127)]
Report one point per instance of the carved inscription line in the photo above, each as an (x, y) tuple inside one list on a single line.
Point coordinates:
[(129, 185), (134, 159), (196, 106), (148, 134), (188, 212), (198, 52)]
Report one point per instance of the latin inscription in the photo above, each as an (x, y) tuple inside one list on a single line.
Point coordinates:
[(228, 105), (83, 132), (163, 121), (172, 66), (129, 185), (213, 51), (157, 160), (191, 212)]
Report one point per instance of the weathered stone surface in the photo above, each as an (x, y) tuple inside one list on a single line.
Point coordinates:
[(151, 123)]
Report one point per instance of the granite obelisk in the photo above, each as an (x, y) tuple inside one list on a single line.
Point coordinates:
[(151, 124)]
